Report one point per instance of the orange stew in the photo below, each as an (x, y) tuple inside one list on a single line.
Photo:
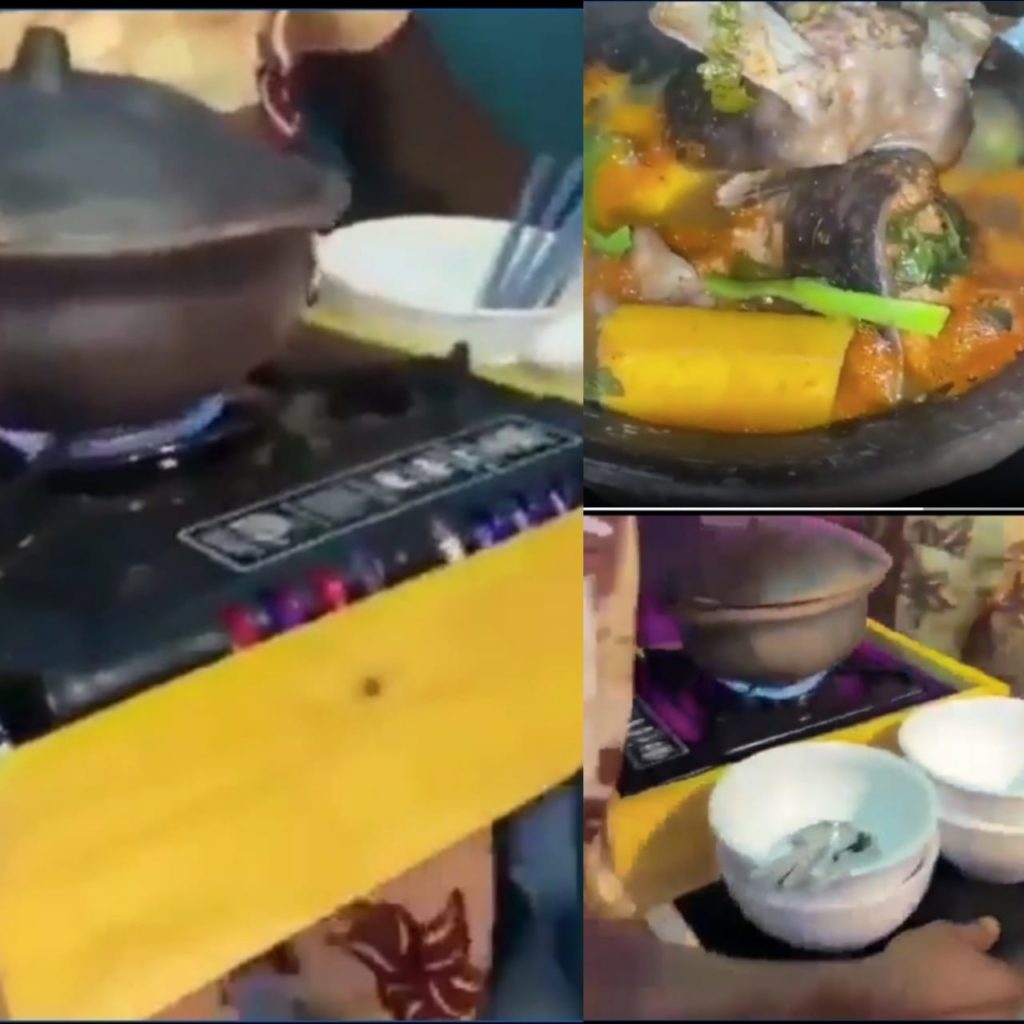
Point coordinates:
[(646, 185)]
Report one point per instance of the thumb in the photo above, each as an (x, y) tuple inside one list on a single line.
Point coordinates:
[(981, 935)]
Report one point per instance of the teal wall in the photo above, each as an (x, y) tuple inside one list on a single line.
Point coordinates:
[(524, 66)]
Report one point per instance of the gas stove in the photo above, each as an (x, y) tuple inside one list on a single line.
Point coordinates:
[(685, 722), (130, 558)]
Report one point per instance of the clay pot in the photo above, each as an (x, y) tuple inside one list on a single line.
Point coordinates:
[(767, 599)]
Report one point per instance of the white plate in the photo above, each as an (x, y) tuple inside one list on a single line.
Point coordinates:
[(412, 282)]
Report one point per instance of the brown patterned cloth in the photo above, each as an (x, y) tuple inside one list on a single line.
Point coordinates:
[(419, 948)]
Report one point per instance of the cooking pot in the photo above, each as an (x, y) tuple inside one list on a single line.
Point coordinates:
[(910, 450), (763, 599), (150, 254)]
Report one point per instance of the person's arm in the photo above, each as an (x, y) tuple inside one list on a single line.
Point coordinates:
[(416, 140), (629, 974), (941, 971)]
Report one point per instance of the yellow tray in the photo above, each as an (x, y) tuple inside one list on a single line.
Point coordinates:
[(154, 846), (660, 838), (528, 378)]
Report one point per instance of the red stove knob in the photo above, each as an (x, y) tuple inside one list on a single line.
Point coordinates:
[(245, 626), (330, 590)]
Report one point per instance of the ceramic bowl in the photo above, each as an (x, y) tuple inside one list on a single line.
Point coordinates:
[(768, 797), (973, 750)]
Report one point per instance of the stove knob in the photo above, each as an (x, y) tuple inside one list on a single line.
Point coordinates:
[(447, 542), (513, 519), (504, 524), (329, 591), (482, 534), (558, 500), (538, 509), (287, 610), (245, 626), (369, 573)]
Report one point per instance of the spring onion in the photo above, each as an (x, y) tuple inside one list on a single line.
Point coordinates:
[(597, 147), (819, 297), (721, 72)]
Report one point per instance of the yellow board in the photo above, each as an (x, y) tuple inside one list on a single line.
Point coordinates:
[(150, 848), (660, 838), (525, 377)]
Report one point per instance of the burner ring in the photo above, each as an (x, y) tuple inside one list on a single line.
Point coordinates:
[(794, 691), (115, 444)]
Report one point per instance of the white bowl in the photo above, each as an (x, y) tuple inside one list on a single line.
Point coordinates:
[(842, 926), (973, 750), (990, 853), (761, 801), (412, 282)]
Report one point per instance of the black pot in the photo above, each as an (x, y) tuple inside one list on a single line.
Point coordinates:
[(149, 253), (909, 450)]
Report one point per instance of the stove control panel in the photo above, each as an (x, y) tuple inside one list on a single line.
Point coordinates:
[(311, 551), (445, 473), (329, 589)]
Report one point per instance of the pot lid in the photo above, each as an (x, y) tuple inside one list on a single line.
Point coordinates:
[(756, 561), (101, 164)]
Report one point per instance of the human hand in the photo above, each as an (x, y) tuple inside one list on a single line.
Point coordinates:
[(942, 971)]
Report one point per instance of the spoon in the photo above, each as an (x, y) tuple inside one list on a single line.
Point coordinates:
[(817, 856)]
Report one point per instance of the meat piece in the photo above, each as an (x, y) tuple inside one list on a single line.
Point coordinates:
[(829, 81), (662, 275)]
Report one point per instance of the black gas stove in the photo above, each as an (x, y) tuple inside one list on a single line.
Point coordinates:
[(131, 557), (686, 722)]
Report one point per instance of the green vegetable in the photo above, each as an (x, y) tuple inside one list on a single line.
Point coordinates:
[(819, 297), (602, 383), (926, 257), (721, 70), (597, 147)]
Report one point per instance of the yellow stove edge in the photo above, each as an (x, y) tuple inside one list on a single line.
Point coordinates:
[(152, 847), (661, 841)]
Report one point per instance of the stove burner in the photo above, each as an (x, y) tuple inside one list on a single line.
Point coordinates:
[(121, 444), (717, 722), (775, 693)]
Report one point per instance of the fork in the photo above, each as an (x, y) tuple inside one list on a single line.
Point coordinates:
[(542, 249)]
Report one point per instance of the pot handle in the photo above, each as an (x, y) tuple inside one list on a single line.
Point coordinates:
[(43, 60)]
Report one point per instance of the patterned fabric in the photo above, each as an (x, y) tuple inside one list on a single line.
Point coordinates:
[(417, 949)]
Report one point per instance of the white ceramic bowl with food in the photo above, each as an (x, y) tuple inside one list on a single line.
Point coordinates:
[(973, 750), (843, 925), (762, 801), (413, 283), (989, 853)]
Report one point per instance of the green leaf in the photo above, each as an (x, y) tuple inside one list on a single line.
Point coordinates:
[(820, 297), (601, 384)]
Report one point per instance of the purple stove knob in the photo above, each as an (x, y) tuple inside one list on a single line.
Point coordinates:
[(504, 524), (482, 534), (287, 610), (538, 508)]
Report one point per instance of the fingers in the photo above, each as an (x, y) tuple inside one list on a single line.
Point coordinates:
[(981, 935)]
